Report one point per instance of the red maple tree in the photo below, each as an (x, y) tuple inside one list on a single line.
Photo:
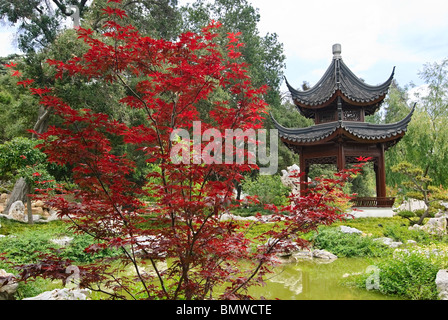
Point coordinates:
[(188, 252)]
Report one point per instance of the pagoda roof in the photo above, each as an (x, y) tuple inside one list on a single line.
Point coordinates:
[(358, 131), (340, 80)]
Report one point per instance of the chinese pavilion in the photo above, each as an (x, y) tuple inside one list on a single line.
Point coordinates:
[(338, 103)]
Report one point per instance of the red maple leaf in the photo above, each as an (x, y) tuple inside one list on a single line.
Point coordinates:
[(11, 65), (114, 11), (40, 91), (25, 83)]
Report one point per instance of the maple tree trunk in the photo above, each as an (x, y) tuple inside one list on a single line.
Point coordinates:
[(28, 207)]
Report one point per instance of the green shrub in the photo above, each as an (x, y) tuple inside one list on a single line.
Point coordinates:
[(347, 245), (410, 274), (75, 251), (408, 214), (268, 188), (24, 243), (402, 233)]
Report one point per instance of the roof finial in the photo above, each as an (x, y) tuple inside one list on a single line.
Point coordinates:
[(337, 51)]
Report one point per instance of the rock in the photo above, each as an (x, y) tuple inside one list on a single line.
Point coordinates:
[(63, 294), (412, 205), (442, 284), (37, 211), (441, 214), (64, 241), (350, 230), (19, 192), (436, 226), (389, 242), (411, 242), (4, 198), (289, 178), (17, 211), (303, 254), (444, 204), (323, 254), (38, 203), (8, 285)]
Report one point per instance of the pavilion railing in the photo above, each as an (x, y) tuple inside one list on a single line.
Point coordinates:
[(378, 202)]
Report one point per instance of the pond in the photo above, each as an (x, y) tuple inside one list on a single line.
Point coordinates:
[(310, 280)]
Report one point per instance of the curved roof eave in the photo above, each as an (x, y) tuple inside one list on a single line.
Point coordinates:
[(360, 130), (349, 84)]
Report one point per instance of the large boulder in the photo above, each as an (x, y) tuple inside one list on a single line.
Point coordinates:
[(436, 226), (323, 254), (412, 205), (350, 230), (17, 211), (389, 242)]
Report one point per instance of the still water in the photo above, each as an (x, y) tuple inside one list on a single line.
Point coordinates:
[(308, 280)]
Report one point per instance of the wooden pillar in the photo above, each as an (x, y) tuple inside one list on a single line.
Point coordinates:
[(341, 157), (381, 174), (304, 172)]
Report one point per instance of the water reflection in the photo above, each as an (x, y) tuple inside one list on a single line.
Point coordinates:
[(308, 280)]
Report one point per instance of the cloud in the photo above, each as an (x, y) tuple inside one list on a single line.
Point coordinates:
[(372, 33), (7, 42)]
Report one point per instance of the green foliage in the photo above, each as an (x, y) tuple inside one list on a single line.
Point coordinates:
[(24, 243), (20, 158), (264, 54), (16, 155), (424, 143), (17, 108), (363, 185), (268, 188), (419, 186), (347, 245), (407, 214), (151, 181), (410, 274), (403, 234)]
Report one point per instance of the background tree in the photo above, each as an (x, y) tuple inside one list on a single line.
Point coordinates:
[(395, 109), (420, 187), (43, 35), (424, 143), (40, 21)]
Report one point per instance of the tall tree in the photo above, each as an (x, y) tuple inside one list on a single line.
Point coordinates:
[(424, 143), (40, 21), (263, 53)]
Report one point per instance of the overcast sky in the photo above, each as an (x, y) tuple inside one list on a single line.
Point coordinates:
[(375, 36)]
